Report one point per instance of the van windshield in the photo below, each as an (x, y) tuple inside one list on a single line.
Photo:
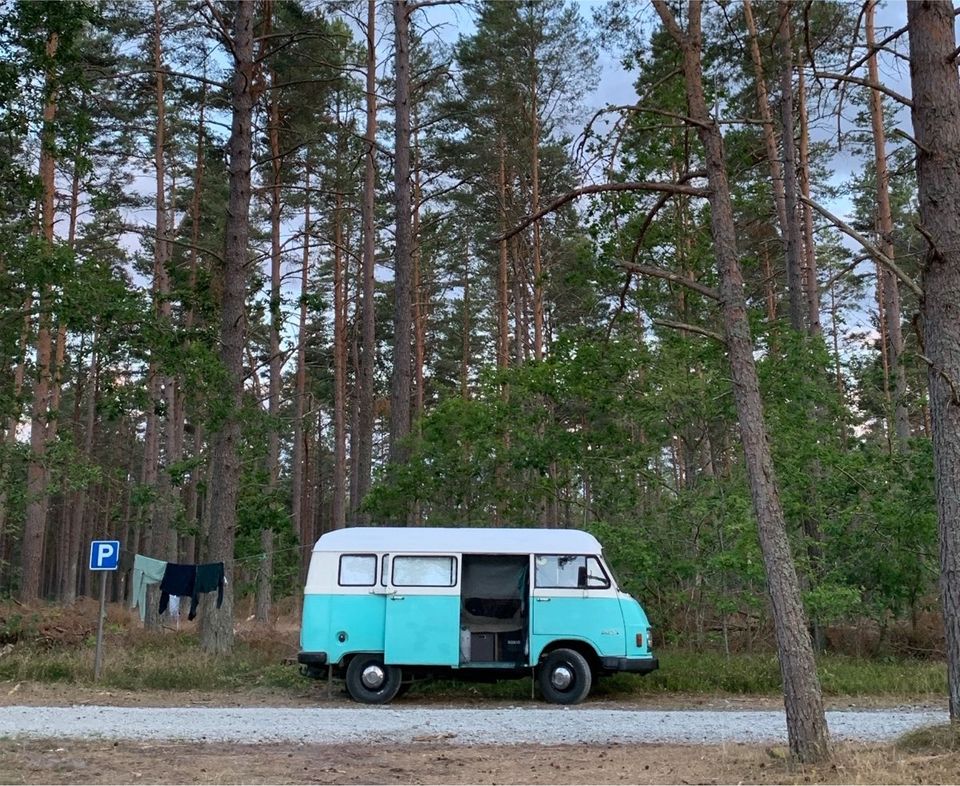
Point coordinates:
[(609, 568)]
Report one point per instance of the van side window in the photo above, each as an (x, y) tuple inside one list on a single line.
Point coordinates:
[(569, 571), (424, 571), (358, 570)]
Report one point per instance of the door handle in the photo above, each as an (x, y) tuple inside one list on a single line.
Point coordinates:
[(543, 600), (397, 597)]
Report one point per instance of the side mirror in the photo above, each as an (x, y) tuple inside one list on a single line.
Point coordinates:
[(582, 578)]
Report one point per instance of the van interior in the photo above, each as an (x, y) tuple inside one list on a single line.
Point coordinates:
[(494, 618)]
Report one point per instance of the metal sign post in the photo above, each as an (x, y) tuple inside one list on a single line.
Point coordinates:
[(104, 556)]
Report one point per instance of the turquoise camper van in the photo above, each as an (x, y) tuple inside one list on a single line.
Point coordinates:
[(383, 606)]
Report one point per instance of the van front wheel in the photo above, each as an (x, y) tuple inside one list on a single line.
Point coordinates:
[(565, 677), (370, 681)]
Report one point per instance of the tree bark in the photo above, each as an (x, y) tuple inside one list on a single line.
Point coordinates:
[(936, 124), (893, 346), (216, 629), (403, 256), (806, 724), (368, 336), (35, 524)]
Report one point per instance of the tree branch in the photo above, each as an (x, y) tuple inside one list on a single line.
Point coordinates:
[(672, 188), (875, 252), (857, 80), (691, 328), (676, 278)]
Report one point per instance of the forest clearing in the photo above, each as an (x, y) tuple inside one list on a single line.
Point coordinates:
[(51, 666), (672, 285)]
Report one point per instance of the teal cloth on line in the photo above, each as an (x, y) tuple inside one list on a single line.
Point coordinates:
[(145, 571)]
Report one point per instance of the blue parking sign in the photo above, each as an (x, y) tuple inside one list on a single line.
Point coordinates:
[(104, 554)]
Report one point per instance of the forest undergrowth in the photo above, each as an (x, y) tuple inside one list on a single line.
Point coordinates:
[(55, 645)]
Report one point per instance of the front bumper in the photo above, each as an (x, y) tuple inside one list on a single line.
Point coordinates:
[(631, 665), (312, 658)]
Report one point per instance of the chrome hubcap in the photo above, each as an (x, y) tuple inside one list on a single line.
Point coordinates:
[(372, 677), (561, 677)]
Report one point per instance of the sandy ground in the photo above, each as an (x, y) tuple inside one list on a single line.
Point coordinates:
[(436, 762)]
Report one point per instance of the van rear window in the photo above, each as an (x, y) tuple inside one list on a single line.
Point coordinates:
[(424, 571), (358, 570)]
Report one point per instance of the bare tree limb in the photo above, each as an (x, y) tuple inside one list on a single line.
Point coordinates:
[(875, 252), (676, 278), (634, 185), (857, 80), (876, 48), (691, 328)]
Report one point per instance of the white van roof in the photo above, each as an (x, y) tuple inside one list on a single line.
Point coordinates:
[(470, 540)]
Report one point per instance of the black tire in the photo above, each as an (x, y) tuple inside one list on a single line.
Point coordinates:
[(565, 677), (362, 680)]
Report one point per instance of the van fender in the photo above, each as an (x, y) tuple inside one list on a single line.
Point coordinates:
[(584, 646)]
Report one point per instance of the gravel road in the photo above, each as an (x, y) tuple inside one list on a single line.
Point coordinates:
[(459, 726)]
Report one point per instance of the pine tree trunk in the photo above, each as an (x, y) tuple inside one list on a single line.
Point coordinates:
[(78, 508), (809, 247), (465, 345), (299, 453), (368, 336), (806, 723), (936, 125), (164, 509), (794, 258), (216, 628), (35, 524), (192, 490), (13, 424), (403, 260), (339, 502), (535, 208), (265, 572), (893, 346), (503, 314), (769, 131), (419, 291)]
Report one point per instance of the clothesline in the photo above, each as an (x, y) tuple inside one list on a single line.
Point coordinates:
[(261, 555)]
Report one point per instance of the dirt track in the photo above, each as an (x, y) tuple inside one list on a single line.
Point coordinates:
[(436, 763)]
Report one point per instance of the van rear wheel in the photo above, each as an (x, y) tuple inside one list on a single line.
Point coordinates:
[(370, 681), (565, 677)]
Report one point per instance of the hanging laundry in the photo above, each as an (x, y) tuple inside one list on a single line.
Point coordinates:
[(209, 578), (191, 581), (177, 580), (146, 571)]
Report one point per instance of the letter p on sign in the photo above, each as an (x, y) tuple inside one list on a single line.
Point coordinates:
[(104, 554)]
